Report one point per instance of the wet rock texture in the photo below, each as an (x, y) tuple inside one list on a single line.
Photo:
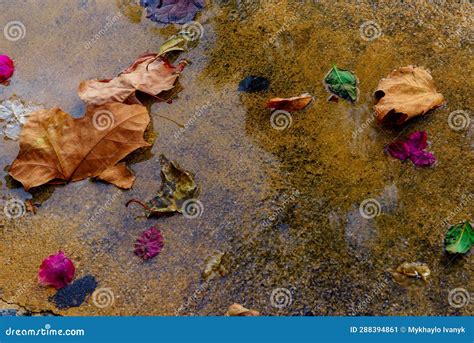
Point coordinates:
[(283, 204)]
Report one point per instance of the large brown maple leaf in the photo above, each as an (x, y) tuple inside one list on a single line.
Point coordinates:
[(406, 93), (54, 145)]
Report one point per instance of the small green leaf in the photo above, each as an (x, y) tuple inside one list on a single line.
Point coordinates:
[(459, 238), (175, 43), (342, 83)]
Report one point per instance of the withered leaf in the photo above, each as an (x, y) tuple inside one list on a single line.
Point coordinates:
[(292, 104), (54, 145), (406, 93), (177, 186), (149, 74), (215, 266), (413, 269), (237, 310)]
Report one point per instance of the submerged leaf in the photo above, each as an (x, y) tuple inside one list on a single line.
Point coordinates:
[(14, 115), (293, 104), (413, 269), (56, 270), (460, 238), (172, 11), (406, 93), (237, 310), (342, 83), (7, 68), (54, 145), (412, 148), (175, 43), (177, 186), (214, 266), (149, 74), (149, 244)]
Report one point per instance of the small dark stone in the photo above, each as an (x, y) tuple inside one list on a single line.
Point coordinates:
[(74, 294), (7, 313), (254, 84)]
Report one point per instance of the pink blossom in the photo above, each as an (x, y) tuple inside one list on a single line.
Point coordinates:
[(413, 148), (6, 68), (56, 270), (149, 244)]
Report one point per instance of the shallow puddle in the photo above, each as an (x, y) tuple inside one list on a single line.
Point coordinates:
[(283, 204)]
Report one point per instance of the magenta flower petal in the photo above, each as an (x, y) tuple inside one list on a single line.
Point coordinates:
[(6, 68), (56, 270), (423, 159), (417, 141), (149, 244), (398, 149)]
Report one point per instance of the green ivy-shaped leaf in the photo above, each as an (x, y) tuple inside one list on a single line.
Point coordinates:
[(459, 238), (342, 83)]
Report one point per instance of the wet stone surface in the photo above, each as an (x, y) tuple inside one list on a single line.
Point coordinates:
[(284, 205)]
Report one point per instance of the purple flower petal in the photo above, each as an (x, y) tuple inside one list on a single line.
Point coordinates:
[(172, 11), (399, 149), (423, 159), (56, 270), (417, 141), (149, 244)]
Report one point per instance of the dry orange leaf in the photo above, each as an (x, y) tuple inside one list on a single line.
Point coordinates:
[(295, 103), (148, 74), (406, 93), (237, 310), (54, 145)]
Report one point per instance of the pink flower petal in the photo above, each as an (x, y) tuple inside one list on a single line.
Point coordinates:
[(56, 270), (6, 68), (417, 141), (149, 244), (423, 159), (399, 149)]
